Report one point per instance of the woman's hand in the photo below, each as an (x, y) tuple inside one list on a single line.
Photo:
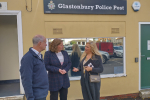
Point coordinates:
[(75, 69), (62, 71), (87, 68)]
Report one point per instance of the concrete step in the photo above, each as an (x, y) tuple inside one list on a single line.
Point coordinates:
[(144, 93), (17, 97)]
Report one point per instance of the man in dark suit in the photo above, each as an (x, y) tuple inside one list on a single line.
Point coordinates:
[(33, 73)]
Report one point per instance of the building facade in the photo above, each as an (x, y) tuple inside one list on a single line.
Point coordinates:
[(20, 20)]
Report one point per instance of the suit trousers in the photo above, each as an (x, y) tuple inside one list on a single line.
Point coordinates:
[(62, 92)]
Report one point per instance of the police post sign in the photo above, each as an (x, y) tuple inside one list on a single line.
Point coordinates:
[(116, 7)]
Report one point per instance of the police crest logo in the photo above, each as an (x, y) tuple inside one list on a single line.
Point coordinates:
[(51, 5)]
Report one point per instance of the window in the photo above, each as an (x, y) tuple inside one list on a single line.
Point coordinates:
[(68, 47), (118, 47), (111, 49), (112, 53)]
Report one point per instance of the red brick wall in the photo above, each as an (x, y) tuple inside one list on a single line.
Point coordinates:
[(125, 96), (134, 95)]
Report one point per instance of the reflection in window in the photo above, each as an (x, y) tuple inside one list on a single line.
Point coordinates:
[(113, 46), (111, 50), (118, 47), (75, 48), (75, 59)]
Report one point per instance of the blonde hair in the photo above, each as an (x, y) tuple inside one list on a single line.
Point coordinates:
[(76, 49), (94, 50), (54, 44)]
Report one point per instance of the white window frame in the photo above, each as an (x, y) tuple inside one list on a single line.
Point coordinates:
[(106, 75)]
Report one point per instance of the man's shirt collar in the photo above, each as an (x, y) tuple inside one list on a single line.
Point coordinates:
[(38, 53)]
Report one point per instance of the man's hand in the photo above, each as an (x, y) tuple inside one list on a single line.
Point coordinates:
[(75, 69)]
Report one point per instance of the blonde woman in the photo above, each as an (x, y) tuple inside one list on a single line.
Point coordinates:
[(91, 55), (75, 59)]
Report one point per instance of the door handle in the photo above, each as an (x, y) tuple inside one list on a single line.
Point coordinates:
[(142, 55)]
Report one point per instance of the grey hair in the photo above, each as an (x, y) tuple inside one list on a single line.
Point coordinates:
[(38, 38)]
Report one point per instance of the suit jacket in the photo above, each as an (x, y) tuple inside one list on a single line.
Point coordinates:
[(52, 64)]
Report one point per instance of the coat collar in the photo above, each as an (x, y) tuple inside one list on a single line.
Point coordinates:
[(34, 54), (89, 61), (55, 57), (64, 57)]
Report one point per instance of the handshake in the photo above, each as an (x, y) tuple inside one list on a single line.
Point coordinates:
[(62, 71)]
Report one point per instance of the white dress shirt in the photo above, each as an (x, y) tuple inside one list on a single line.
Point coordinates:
[(60, 57), (38, 53)]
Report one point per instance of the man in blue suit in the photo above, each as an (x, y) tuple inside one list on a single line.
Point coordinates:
[(33, 73)]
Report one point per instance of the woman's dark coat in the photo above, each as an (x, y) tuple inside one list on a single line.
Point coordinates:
[(91, 91)]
